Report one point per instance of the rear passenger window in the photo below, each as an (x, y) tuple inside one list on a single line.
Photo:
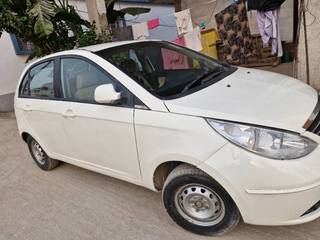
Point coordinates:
[(40, 81)]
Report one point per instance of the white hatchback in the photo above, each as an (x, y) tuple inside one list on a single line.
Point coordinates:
[(221, 142)]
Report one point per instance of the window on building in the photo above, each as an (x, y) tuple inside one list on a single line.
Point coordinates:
[(21, 47)]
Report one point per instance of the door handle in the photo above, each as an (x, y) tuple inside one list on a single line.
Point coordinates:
[(69, 114), (27, 108)]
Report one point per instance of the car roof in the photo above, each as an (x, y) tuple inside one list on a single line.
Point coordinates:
[(92, 48), (99, 47)]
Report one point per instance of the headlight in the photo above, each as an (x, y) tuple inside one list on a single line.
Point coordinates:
[(275, 144)]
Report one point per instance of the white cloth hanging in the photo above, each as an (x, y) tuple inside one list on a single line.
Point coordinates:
[(193, 39), (269, 27), (140, 31), (183, 21)]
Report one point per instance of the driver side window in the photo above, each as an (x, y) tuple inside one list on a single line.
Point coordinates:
[(80, 79)]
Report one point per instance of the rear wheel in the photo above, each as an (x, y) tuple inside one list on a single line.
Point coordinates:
[(40, 156), (198, 203)]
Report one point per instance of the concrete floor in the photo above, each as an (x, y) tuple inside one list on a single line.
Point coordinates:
[(73, 203)]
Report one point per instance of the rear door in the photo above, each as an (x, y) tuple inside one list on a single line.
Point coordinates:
[(38, 104), (99, 135)]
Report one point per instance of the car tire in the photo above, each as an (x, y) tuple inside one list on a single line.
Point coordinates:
[(40, 156), (198, 203)]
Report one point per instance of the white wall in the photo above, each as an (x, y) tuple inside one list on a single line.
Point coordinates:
[(11, 65), (313, 31), (81, 8)]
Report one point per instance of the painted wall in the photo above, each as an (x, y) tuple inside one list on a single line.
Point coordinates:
[(167, 29), (11, 65), (313, 31)]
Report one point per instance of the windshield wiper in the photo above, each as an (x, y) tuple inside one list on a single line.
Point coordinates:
[(207, 76)]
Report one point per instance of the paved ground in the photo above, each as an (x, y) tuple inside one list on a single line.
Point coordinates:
[(73, 203), (284, 68)]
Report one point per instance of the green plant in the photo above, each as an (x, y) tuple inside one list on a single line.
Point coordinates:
[(50, 25)]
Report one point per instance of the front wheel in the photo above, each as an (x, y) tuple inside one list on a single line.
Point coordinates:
[(198, 203)]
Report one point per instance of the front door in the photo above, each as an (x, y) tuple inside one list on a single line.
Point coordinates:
[(100, 136)]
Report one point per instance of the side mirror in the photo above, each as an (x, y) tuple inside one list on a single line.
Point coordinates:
[(107, 94)]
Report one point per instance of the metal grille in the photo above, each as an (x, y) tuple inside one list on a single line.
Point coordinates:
[(313, 124)]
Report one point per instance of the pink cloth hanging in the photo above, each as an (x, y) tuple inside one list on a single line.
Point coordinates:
[(172, 59), (153, 23), (180, 41)]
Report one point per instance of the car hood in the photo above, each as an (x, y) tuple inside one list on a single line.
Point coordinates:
[(252, 96)]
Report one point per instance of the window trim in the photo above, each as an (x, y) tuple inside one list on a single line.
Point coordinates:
[(58, 83), (17, 48)]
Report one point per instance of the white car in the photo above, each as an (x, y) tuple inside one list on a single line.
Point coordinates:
[(222, 143)]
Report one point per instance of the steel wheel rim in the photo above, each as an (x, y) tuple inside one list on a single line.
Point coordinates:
[(38, 152), (199, 205)]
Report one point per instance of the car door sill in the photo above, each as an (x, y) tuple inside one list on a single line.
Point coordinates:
[(98, 169)]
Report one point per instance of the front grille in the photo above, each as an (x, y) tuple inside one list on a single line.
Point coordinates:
[(313, 124)]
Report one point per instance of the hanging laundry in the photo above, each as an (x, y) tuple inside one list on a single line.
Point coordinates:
[(174, 60), (154, 23), (264, 5), (140, 31), (193, 39), (268, 23), (180, 41), (183, 21)]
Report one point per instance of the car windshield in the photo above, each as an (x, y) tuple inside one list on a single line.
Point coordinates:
[(166, 70)]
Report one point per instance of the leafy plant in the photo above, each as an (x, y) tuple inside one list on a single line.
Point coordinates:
[(43, 11), (50, 25)]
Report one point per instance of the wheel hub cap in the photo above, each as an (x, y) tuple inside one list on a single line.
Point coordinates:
[(199, 205), (38, 152)]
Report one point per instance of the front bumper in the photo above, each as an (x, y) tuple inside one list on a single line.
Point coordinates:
[(268, 192)]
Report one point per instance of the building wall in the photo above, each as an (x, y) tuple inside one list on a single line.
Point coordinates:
[(204, 10), (167, 29), (313, 31), (11, 67)]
